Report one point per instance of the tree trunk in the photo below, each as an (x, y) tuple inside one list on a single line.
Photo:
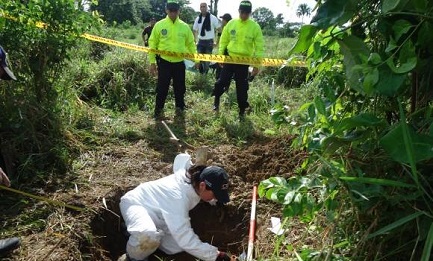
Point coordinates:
[(215, 8)]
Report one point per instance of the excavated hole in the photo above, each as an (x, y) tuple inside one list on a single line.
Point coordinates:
[(226, 228)]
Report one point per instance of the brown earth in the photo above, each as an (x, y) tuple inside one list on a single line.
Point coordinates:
[(102, 176)]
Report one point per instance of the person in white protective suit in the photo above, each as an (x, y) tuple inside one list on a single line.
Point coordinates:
[(156, 213)]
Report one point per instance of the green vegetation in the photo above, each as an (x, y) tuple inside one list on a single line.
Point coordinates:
[(369, 132), (33, 131), (137, 11), (362, 111)]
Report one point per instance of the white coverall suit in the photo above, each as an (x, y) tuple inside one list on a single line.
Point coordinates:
[(156, 214)]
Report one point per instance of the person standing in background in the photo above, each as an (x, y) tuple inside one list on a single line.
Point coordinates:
[(224, 20), (147, 31), (205, 27), (173, 35), (241, 37)]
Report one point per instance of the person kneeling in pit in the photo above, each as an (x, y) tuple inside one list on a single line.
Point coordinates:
[(156, 213)]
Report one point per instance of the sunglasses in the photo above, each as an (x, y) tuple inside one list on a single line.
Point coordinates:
[(173, 10), (244, 12)]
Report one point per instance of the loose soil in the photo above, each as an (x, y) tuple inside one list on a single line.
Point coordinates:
[(102, 176)]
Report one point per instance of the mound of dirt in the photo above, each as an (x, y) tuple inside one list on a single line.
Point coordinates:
[(225, 227), (107, 174)]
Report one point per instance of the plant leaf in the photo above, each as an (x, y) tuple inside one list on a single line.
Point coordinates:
[(375, 181), (393, 143), (391, 45), (320, 105), (333, 12), (407, 59), (389, 83), (370, 79), (400, 28), (389, 5), (395, 224), (354, 50), (305, 39), (361, 120), (428, 245)]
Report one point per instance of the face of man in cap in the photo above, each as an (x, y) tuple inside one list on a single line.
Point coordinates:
[(214, 185), (172, 9), (245, 9)]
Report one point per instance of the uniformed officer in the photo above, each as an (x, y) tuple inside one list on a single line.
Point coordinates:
[(241, 37), (170, 34)]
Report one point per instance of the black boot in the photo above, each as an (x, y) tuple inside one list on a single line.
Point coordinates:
[(158, 115), (216, 104), (9, 244), (241, 114)]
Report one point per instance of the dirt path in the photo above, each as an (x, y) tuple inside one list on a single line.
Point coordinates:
[(104, 175)]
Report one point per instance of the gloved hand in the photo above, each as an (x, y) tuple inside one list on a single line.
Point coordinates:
[(222, 256)]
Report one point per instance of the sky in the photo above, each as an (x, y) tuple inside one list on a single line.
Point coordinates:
[(276, 6)]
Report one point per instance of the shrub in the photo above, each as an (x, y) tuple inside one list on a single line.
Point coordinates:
[(117, 81), (32, 131)]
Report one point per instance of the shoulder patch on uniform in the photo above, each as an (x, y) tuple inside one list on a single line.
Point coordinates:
[(164, 31)]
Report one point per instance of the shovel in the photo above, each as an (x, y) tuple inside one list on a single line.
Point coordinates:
[(201, 154)]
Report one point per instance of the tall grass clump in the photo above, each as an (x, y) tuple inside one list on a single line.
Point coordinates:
[(117, 81)]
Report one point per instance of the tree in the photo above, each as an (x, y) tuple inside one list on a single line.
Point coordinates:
[(264, 17), (214, 7), (122, 10), (302, 11), (188, 14), (289, 30), (157, 7), (134, 11), (279, 20)]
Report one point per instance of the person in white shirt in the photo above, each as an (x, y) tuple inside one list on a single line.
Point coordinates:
[(156, 213), (205, 26)]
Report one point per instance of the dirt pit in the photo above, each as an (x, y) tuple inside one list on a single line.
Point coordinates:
[(225, 227), (104, 175)]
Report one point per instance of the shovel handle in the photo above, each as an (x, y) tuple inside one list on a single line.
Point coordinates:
[(173, 137)]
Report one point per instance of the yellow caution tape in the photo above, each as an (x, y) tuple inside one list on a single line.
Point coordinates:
[(191, 56), (200, 57)]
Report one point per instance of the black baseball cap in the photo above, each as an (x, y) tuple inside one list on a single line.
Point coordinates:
[(246, 6), (226, 17), (9, 75), (217, 179), (172, 5)]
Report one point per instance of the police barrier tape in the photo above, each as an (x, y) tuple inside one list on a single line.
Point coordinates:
[(200, 57), (191, 56)]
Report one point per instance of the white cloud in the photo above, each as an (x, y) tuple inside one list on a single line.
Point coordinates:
[(276, 6)]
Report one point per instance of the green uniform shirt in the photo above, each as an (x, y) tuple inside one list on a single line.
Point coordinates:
[(242, 38), (171, 36)]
